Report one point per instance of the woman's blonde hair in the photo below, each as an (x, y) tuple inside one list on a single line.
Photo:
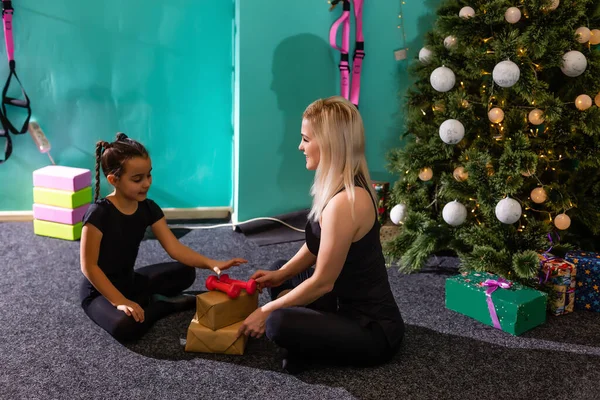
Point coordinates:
[(338, 129)]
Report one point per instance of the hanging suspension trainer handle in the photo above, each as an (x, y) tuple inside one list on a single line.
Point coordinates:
[(7, 143), (359, 52), (344, 64), (7, 15), (350, 92), (6, 126)]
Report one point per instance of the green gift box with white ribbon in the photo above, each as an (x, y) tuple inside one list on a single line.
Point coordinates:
[(496, 302)]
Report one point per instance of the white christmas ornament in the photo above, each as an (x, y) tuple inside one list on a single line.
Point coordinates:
[(583, 102), (425, 55), (562, 221), (536, 116), (466, 12), (583, 34), (398, 213), (574, 63), (452, 131), (595, 36), (508, 211), (496, 115), (442, 79), (538, 195), (506, 73), (450, 42), (454, 213), (512, 15)]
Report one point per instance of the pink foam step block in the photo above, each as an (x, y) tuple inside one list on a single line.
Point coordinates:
[(62, 178), (58, 214)]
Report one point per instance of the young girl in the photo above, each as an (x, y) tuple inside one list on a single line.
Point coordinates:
[(343, 310), (120, 300)]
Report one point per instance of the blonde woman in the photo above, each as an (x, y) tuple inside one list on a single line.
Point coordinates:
[(341, 311)]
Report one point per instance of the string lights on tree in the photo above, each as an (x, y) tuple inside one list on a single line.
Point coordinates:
[(527, 168)]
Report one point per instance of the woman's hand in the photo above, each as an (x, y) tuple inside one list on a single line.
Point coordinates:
[(223, 265), (132, 309), (266, 279), (254, 325)]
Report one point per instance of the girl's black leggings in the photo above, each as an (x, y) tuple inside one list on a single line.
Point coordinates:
[(167, 279), (317, 332)]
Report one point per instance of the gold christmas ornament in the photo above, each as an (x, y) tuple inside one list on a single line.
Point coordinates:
[(526, 173), (583, 34), (460, 174), (538, 195), (595, 36), (439, 107), (597, 100), (425, 174), (562, 221), (536, 116), (553, 5), (583, 102), (496, 115)]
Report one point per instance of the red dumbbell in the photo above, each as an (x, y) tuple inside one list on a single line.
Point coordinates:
[(213, 283), (249, 286)]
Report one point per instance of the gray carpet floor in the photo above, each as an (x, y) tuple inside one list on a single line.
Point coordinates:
[(49, 349)]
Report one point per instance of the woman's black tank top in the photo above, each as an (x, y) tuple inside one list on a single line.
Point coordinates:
[(362, 288)]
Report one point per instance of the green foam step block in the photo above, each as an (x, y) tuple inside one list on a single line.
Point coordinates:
[(519, 308), (56, 230), (62, 198)]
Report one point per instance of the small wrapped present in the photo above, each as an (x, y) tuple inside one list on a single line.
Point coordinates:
[(497, 302), (587, 289), (216, 310), (201, 339), (381, 189), (559, 276), (388, 232)]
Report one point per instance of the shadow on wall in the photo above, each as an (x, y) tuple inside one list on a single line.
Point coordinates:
[(303, 71), (425, 24)]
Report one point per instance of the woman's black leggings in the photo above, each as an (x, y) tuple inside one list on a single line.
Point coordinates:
[(167, 279), (317, 332)]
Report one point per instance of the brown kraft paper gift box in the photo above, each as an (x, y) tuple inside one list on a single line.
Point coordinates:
[(201, 339), (216, 310)]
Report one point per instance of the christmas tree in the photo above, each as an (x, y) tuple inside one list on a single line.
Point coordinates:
[(501, 160)]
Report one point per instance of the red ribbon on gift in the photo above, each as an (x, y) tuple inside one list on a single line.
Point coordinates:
[(546, 256), (563, 266)]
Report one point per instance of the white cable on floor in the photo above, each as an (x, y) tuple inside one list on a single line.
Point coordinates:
[(239, 223)]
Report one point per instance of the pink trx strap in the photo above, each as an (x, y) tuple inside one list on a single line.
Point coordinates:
[(353, 93), (7, 126)]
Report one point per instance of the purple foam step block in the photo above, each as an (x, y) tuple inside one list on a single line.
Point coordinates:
[(58, 214), (62, 178)]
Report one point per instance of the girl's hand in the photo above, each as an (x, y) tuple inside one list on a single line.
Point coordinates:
[(223, 265), (132, 309), (265, 279), (254, 325)]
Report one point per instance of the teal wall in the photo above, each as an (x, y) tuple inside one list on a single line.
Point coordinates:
[(285, 62), (160, 71)]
